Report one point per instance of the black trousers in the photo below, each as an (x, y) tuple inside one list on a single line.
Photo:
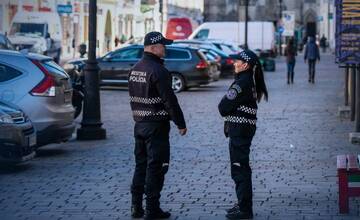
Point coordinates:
[(240, 169), (152, 153), (312, 64)]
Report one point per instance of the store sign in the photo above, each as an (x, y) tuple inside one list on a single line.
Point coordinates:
[(288, 21), (348, 31), (64, 9)]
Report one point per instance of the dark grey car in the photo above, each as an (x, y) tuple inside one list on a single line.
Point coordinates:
[(17, 134), (188, 66)]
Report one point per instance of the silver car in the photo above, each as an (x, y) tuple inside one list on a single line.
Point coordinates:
[(42, 89), (17, 134)]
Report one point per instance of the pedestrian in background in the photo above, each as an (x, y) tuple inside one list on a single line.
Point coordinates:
[(153, 104), (239, 108), (290, 53), (323, 43), (311, 55)]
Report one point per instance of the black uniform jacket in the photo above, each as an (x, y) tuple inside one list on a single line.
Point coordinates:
[(238, 107), (151, 95)]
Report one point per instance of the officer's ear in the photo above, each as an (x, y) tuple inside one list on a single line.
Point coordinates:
[(246, 66)]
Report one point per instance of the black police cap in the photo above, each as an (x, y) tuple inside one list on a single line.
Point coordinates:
[(155, 37), (247, 56)]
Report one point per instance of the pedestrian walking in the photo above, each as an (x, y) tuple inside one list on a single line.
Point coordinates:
[(311, 55), (323, 43), (153, 104), (239, 108), (290, 53)]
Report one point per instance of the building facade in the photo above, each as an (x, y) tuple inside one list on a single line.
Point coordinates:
[(122, 19), (312, 17)]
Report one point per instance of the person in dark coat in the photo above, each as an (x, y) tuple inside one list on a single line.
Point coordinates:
[(323, 43), (290, 53), (153, 104), (311, 55), (238, 108)]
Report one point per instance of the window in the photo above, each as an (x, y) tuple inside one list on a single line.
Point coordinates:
[(8, 73), (202, 34), (28, 29), (177, 54), (129, 54)]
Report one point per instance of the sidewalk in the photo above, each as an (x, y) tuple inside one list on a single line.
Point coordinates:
[(293, 159)]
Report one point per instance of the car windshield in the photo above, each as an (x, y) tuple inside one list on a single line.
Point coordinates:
[(28, 29)]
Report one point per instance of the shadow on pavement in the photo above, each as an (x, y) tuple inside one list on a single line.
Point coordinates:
[(11, 168), (50, 152), (105, 88)]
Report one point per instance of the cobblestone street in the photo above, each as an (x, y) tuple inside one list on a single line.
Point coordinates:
[(293, 158)]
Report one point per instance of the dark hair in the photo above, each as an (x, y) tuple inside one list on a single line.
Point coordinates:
[(261, 89)]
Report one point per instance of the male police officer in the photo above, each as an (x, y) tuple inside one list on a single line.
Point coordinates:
[(153, 104)]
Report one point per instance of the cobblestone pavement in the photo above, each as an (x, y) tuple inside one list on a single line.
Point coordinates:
[(293, 159)]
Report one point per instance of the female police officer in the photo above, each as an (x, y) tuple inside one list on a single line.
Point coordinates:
[(239, 107)]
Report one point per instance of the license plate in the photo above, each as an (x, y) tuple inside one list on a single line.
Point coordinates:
[(67, 97), (32, 140)]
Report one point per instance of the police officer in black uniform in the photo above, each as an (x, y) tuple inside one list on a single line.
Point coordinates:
[(153, 104), (238, 108)]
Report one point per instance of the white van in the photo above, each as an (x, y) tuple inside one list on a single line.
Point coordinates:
[(261, 35), (28, 30)]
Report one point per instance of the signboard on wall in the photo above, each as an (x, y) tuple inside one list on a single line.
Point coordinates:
[(64, 9), (347, 31), (288, 23)]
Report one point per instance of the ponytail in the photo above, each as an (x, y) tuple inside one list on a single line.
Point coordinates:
[(261, 89)]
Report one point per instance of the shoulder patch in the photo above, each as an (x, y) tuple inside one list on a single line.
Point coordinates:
[(231, 94), (236, 87)]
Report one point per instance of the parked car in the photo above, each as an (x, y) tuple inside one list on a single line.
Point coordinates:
[(228, 48), (262, 33), (5, 43), (214, 61), (17, 134), (42, 89), (226, 62), (188, 66)]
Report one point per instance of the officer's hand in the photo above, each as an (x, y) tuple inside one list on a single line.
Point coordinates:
[(183, 131)]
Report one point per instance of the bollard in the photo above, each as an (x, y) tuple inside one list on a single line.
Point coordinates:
[(357, 98), (352, 92), (346, 89)]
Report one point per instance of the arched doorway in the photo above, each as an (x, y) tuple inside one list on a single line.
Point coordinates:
[(108, 32), (310, 23)]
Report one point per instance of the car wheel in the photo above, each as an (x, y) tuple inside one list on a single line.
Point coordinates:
[(178, 83)]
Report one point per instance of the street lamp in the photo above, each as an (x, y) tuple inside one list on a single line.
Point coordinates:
[(280, 17), (91, 122), (246, 4)]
